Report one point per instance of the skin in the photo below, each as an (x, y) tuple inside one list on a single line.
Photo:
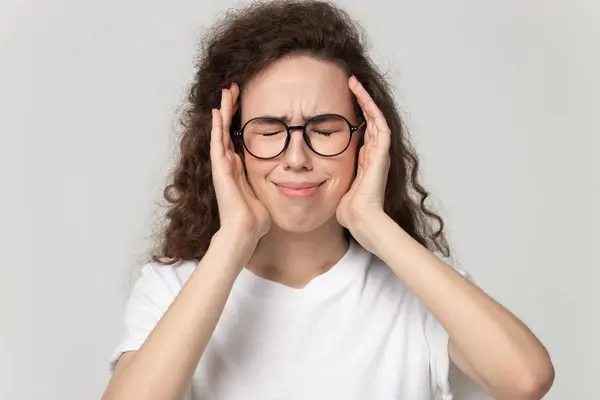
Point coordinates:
[(305, 238), (502, 355), (291, 241)]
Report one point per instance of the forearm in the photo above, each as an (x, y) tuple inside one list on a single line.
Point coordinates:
[(502, 350), (162, 368)]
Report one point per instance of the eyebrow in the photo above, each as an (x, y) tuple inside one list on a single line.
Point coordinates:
[(287, 118)]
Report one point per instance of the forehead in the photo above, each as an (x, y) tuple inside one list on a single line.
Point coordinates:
[(297, 86)]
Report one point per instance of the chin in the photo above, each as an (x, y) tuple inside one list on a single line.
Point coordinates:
[(302, 223)]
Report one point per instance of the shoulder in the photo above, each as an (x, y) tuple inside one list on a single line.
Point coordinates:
[(170, 274), (161, 283), (414, 321), (389, 286)]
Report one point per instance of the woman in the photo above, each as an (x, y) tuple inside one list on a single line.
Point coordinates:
[(299, 261)]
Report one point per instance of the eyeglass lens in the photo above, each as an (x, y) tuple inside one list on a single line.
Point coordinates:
[(266, 137)]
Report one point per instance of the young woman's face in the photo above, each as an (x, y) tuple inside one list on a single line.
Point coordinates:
[(294, 89)]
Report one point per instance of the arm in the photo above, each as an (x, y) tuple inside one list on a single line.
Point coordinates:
[(487, 342), (163, 367)]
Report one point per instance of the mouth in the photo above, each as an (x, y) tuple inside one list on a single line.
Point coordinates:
[(299, 190)]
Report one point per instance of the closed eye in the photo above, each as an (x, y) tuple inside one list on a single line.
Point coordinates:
[(270, 133), (325, 133)]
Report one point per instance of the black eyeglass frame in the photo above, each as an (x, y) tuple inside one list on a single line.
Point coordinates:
[(353, 128)]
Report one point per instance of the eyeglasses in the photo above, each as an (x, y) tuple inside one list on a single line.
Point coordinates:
[(328, 135)]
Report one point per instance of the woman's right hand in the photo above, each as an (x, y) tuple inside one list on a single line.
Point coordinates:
[(241, 213)]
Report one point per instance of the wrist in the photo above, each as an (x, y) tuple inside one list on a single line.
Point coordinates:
[(368, 229), (235, 246), (368, 221)]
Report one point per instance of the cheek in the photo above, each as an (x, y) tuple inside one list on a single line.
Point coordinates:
[(255, 170), (346, 171), (342, 171)]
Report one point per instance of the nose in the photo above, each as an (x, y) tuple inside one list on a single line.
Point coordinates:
[(297, 155)]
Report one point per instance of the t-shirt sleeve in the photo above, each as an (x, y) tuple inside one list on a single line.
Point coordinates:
[(153, 291), (142, 312), (438, 339)]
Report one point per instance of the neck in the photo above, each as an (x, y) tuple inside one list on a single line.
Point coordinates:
[(294, 259)]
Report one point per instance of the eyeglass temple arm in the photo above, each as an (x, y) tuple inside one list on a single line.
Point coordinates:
[(356, 128)]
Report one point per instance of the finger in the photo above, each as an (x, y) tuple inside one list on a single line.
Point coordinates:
[(367, 134), (364, 98), (360, 172), (226, 114), (361, 156), (354, 86), (216, 135), (247, 190), (357, 179), (368, 104), (360, 167), (367, 118)]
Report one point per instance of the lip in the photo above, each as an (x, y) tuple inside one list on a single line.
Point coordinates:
[(298, 189)]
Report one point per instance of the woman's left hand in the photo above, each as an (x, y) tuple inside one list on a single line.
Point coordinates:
[(364, 201)]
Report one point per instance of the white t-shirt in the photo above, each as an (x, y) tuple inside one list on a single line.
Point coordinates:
[(354, 332)]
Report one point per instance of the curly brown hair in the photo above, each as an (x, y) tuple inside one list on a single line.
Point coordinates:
[(242, 43)]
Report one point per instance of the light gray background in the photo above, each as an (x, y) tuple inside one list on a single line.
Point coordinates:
[(499, 96)]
